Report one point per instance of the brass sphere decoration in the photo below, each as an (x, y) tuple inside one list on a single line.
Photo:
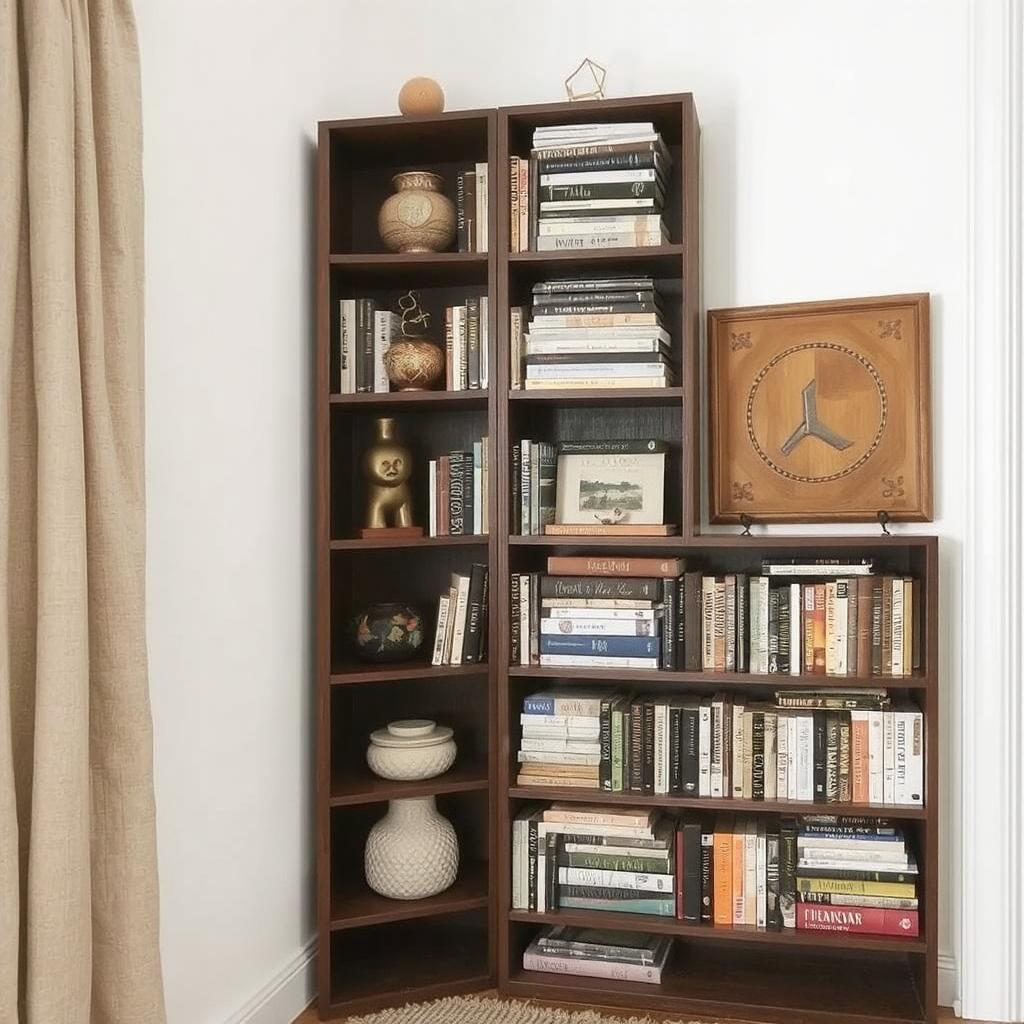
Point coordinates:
[(421, 96)]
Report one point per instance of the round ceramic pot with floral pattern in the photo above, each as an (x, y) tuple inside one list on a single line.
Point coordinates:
[(387, 632)]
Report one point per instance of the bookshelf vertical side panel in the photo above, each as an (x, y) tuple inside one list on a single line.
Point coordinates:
[(690, 341), (322, 517), (931, 796)]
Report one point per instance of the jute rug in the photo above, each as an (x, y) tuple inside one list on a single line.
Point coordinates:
[(474, 1010)]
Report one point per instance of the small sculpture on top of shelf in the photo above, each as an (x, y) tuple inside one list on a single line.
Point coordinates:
[(586, 82), (411, 749), (414, 362), (420, 97), (387, 632), (419, 217), (387, 466)]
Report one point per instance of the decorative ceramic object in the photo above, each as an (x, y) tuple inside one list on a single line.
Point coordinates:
[(387, 466), (412, 852), (412, 749), (419, 217), (387, 632), (421, 96), (414, 362)]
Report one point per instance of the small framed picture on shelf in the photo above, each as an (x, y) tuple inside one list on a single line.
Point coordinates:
[(610, 487)]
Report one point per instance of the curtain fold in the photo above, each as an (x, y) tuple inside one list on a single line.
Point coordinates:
[(78, 885)]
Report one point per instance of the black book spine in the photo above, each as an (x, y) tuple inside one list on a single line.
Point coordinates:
[(773, 920), (692, 583), (456, 495), (832, 757), (544, 291), (639, 159), (515, 640), (591, 308), (517, 498), (469, 202), (680, 623), (551, 869), (675, 757), (670, 589), (364, 345), (644, 446), (473, 343), (485, 616), (858, 875), (773, 630), (461, 223), (648, 746), (785, 630), (636, 747), (820, 755), (787, 872), (690, 767), (646, 188), (916, 623), (634, 588), (707, 874), (627, 745), (604, 771), (691, 880), (572, 299), (742, 620), (757, 749), (532, 847), (474, 614)]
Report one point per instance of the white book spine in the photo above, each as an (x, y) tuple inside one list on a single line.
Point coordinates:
[(770, 755), (750, 872), (913, 793), (564, 722), (517, 856), (796, 632), (564, 744), (432, 498), (830, 629), (485, 343), (583, 206), (708, 623), (583, 371), (781, 756), (759, 614), (762, 878), (559, 757), (595, 661), (516, 348), (841, 627), (736, 774), (805, 757), (792, 775), (599, 627), (443, 610), (888, 759), (526, 450), (717, 746), (346, 330), (704, 750), (599, 177), (661, 749), (461, 606), (638, 881), (481, 208), (553, 243), (648, 222), (572, 347), (876, 756), (897, 627), (618, 614)]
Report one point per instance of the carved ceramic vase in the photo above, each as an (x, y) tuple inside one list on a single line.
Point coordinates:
[(414, 364), (418, 217), (387, 632), (415, 748), (412, 852)]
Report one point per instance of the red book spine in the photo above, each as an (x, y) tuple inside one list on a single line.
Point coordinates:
[(821, 917), (583, 565)]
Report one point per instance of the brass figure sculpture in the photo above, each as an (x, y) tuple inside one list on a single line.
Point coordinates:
[(387, 466)]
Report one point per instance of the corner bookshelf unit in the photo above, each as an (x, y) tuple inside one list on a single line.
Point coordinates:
[(377, 952)]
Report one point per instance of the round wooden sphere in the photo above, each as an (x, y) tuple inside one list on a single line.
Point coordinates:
[(420, 96)]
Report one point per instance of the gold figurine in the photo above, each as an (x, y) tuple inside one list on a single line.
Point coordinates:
[(387, 466)]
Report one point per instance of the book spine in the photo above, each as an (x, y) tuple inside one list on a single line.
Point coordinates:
[(757, 754), (636, 748), (669, 624), (707, 881), (589, 587), (456, 495), (604, 646), (634, 881), (605, 739), (583, 565), (857, 920), (622, 239), (473, 343), (513, 215), (648, 746), (820, 720), (474, 614), (615, 969), (787, 872)]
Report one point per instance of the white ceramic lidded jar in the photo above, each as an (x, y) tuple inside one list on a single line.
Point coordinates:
[(416, 748)]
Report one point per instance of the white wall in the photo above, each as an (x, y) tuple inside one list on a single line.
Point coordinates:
[(834, 164)]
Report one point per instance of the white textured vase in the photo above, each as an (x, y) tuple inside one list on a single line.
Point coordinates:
[(412, 852)]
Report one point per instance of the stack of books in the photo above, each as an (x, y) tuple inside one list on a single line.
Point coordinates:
[(859, 877), (471, 209), (597, 953), (560, 744), (847, 622), (458, 485), (466, 337), (588, 612), (603, 332), (579, 857), (365, 333), (596, 186), (461, 634)]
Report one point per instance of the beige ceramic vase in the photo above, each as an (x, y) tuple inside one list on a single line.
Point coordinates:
[(419, 217)]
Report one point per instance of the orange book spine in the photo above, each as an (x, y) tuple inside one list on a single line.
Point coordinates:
[(859, 767), (722, 861), (819, 629), (739, 875), (583, 565)]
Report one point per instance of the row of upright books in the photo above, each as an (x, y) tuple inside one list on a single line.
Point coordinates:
[(471, 209), (460, 636), (590, 186), (597, 332), (817, 872), (467, 342), (829, 747), (458, 492), (644, 612)]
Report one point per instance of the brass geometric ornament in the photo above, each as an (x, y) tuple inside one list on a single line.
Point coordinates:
[(586, 82)]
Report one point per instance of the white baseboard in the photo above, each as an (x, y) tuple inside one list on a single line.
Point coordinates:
[(947, 980), (285, 996)]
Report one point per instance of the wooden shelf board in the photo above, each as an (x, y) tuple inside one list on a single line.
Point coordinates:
[(407, 260), (545, 540), (760, 983), (709, 933), (430, 269), (356, 905), (363, 787), (777, 681), (722, 805), (601, 396), (364, 672), (373, 543), (761, 544), (411, 400), (659, 260)]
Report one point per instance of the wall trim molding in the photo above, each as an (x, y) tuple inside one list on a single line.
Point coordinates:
[(286, 995), (987, 823)]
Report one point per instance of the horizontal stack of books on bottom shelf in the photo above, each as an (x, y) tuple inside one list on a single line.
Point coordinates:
[(596, 953), (592, 333), (829, 747), (816, 873), (458, 486), (595, 612), (460, 637)]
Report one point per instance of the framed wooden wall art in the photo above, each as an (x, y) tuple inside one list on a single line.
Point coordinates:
[(821, 411)]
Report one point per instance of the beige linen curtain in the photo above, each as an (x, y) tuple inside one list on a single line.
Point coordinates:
[(78, 886)]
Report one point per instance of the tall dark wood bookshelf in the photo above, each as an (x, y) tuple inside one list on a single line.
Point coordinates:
[(375, 951)]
